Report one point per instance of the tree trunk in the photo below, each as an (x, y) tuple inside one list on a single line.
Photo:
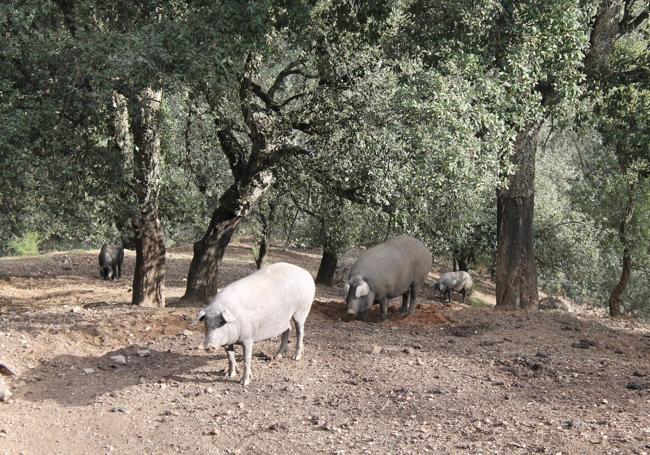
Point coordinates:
[(617, 292), (122, 142), (290, 231), (327, 267), (463, 263), (516, 282), (263, 248), (619, 289), (267, 220), (149, 273), (234, 205), (606, 29)]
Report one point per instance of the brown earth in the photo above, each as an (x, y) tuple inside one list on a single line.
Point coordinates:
[(450, 379)]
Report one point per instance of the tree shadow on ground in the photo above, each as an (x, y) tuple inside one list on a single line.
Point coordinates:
[(62, 379)]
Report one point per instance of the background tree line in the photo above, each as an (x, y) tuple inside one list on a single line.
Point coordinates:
[(510, 136)]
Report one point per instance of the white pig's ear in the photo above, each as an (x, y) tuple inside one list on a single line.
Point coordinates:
[(227, 316), (346, 289), (199, 317), (362, 290)]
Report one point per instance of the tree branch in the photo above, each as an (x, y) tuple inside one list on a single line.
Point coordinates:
[(246, 88), (233, 151), (282, 153), (259, 92), (304, 209), (637, 21), (290, 99), (290, 69), (66, 7), (304, 127)]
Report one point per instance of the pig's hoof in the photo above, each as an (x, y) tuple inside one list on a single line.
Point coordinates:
[(245, 381), (297, 356), (231, 373)]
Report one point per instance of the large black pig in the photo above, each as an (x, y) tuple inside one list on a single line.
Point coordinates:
[(395, 267)]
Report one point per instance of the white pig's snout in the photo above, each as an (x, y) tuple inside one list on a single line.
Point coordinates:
[(209, 347)]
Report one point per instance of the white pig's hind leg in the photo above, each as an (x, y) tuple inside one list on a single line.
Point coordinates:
[(284, 344), (300, 332), (248, 356)]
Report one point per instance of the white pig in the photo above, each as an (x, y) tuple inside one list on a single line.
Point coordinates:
[(256, 308)]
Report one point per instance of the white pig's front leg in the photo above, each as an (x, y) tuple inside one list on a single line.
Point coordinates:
[(248, 355), (232, 365)]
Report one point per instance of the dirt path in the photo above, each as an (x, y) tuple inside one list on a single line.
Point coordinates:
[(451, 379)]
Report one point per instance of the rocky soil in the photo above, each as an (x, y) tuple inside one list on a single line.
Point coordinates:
[(95, 375)]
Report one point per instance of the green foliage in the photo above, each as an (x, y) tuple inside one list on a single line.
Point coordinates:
[(25, 245), (568, 241), (405, 113)]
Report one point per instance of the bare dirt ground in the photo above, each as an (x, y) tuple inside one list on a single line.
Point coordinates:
[(450, 379)]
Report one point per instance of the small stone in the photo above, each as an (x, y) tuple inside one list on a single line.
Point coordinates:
[(209, 390), (76, 309), (5, 393), (6, 370), (277, 426), (187, 333), (88, 371), (418, 361), (144, 353), (214, 431), (604, 401), (376, 350), (407, 350), (120, 409), (637, 385), (118, 359), (583, 344), (317, 420), (240, 405)]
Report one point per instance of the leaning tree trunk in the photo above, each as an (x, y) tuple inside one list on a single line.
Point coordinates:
[(327, 267), (516, 282), (233, 206), (617, 292), (149, 273)]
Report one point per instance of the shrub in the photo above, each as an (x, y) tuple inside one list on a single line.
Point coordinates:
[(27, 245)]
